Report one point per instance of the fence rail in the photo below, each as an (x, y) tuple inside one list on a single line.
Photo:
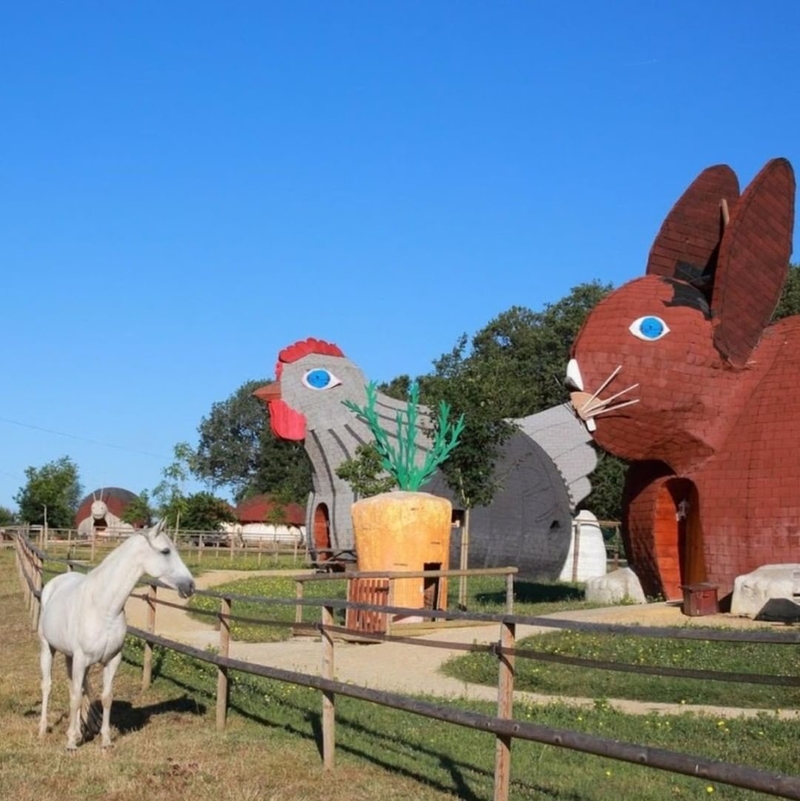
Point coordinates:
[(30, 565)]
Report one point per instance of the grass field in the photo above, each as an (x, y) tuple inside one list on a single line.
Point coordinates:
[(558, 679), (167, 747), (485, 594)]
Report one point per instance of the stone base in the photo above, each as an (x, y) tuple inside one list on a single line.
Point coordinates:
[(771, 592), (616, 587)]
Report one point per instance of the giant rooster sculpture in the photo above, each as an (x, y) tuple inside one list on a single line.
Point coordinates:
[(542, 471)]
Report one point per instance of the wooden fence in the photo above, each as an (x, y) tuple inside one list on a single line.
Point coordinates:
[(30, 564), (198, 546)]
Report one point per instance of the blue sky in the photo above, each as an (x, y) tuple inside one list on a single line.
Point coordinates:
[(187, 187)]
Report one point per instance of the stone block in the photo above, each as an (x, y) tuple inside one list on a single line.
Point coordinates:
[(771, 592), (615, 587)]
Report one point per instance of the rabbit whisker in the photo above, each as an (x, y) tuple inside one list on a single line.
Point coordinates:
[(604, 402), (614, 408), (602, 386)]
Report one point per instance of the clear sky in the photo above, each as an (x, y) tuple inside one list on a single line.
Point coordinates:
[(188, 187)]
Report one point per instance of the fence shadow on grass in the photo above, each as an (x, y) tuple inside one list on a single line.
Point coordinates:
[(534, 592), (126, 717)]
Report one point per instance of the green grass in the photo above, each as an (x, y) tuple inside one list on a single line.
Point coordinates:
[(555, 679), (166, 746), (211, 558), (459, 761), (268, 587), (485, 594)]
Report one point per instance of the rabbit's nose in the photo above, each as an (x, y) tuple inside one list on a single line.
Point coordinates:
[(573, 379)]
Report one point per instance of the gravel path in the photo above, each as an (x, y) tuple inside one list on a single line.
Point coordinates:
[(403, 668)]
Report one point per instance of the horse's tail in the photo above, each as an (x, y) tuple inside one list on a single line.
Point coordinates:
[(91, 711)]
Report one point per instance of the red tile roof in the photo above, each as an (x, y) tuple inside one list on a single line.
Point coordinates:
[(257, 508)]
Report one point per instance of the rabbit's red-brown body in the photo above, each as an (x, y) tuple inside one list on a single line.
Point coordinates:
[(679, 373)]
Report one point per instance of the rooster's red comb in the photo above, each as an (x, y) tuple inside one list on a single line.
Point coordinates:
[(305, 347)]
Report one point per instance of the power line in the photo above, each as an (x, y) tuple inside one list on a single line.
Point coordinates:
[(81, 439)]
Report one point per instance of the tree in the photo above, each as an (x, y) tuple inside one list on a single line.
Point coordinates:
[(511, 368), (789, 303), (7, 517), (52, 492), (525, 353), (238, 450), (608, 481), (364, 472), (203, 511), (169, 493), (398, 388), (139, 511), (461, 381)]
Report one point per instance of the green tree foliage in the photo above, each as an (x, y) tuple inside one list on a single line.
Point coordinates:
[(398, 388), (7, 517), (139, 511), (203, 511), (526, 352), (789, 304), (511, 368), (237, 450), (277, 514), (55, 485), (365, 474), (459, 380), (608, 482), (169, 494)]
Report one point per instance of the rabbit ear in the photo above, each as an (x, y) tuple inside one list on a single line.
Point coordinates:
[(753, 261), (686, 246)]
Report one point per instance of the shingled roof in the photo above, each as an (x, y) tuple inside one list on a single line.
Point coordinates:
[(257, 508)]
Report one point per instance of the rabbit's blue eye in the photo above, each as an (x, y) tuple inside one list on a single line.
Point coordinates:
[(320, 378), (649, 328)]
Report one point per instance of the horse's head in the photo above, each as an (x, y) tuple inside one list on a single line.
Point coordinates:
[(162, 561)]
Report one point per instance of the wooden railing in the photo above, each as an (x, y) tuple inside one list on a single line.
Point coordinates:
[(30, 564)]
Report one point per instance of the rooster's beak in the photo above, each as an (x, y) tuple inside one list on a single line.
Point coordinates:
[(269, 392)]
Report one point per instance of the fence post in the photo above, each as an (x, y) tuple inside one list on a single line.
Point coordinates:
[(222, 672), (390, 601), (510, 593), (24, 568), (299, 589), (150, 628), (328, 698), (505, 709), (36, 603)]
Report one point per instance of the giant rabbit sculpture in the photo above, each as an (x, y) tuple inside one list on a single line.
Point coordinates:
[(681, 373)]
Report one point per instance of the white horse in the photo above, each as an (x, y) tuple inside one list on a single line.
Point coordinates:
[(83, 617)]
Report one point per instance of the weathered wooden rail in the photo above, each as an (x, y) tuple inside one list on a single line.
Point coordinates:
[(30, 564)]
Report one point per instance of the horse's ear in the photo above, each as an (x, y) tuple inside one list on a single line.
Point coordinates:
[(687, 243), (753, 261), (157, 528)]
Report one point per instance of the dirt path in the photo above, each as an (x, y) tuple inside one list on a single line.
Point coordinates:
[(402, 668)]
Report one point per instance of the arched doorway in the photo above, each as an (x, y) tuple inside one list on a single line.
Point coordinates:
[(678, 536), (322, 533)]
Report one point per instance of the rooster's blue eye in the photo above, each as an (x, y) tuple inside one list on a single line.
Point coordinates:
[(649, 328), (320, 378)]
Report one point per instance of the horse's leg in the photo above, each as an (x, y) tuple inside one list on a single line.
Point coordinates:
[(76, 667), (109, 671), (46, 662)]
